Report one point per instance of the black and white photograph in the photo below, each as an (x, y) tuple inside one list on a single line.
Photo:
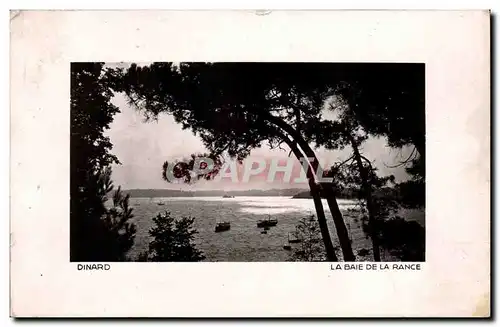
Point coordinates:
[(250, 164), (247, 161)]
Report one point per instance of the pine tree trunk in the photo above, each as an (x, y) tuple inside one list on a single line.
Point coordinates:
[(343, 235), (338, 220), (367, 192), (315, 193)]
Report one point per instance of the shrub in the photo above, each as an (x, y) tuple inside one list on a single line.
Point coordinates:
[(173, 240)]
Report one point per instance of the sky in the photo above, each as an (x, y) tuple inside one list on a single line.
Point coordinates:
[(142, 148)]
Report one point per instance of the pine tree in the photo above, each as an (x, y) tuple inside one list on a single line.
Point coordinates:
[(97, 232), (310, 247), (173, 240)]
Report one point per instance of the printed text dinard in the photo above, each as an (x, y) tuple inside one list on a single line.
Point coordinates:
[(94, 266), (376, 266)]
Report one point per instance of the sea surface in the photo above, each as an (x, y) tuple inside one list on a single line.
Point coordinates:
[(244, 241)]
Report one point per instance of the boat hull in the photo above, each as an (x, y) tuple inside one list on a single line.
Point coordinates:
[(222, 227), (267, 223)]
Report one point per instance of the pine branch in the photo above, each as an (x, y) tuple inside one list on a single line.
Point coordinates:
[(404, 162)]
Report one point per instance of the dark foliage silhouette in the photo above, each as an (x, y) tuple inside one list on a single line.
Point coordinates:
[(384, 100), (97, 232), (349, 130), (172, 240), (403, 239), (310, 247)]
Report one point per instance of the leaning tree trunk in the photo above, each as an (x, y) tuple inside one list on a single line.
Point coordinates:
[(343, 235), (315, 193), (367, 192), (339, 222)]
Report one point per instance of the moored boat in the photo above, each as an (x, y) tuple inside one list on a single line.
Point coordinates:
[(267, 222), (222, 226)]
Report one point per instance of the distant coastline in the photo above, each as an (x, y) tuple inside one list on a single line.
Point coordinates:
[(346, 194), (350, 193), (294, 193), (169, 193)]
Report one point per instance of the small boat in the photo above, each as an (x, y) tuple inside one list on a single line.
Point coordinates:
[(287, 247), (267, 222), (161, 203), (222, 226), (228, 196)]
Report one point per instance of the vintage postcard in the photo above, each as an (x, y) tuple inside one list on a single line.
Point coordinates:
[(234, 164)]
